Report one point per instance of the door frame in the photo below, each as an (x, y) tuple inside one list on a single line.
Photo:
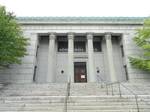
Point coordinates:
[(85, 67)]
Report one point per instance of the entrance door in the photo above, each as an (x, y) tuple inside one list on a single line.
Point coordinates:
[(80, 72)]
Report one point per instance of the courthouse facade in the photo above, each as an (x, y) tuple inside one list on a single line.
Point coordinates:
[(79, 49)]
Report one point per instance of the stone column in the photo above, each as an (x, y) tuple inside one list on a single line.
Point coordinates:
[(92, 77), (70, 57), (51, 58), (110, 57)]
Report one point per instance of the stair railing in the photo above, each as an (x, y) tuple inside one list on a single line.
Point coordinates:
[(67, 95), (107, 84), (112, 87), (120, 94), (129, 90), (100, 79), (135, 95)]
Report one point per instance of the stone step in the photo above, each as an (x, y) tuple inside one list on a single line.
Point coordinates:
[(145, 110), (72, 100), (56, 110), (54, 107), (77, 89), (39, 87), (27, 108), (120, 110), (96, 98), (61, 101), (71, 104), (106, 107)]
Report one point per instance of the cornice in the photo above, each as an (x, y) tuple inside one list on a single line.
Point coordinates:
[(81, 20)]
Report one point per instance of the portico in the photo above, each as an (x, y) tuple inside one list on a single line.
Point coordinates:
[(76, 48)]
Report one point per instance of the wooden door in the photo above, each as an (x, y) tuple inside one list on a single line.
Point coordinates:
[(80, 72)]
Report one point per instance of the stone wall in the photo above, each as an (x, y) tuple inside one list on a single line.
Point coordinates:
[(24, 73)]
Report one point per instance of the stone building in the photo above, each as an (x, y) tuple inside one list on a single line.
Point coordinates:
[(79, 49)]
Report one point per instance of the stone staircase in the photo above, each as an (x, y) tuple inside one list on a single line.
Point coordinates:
[(84, 97), (105, 104)]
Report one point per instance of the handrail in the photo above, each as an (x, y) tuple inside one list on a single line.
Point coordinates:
[(107, 84), (67, 96), (135, 95), (128, 89), (117, 82), (131, 91), (111, 85), (143, 99), (102, 80)]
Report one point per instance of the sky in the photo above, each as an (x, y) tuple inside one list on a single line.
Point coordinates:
[(130, 8)]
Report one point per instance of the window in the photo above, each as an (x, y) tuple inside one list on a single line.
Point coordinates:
[(97, 46), (97, 41), (79, 46), (62, 46), (62, 43)]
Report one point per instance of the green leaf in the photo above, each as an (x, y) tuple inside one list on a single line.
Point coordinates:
[(142, 39), (12, 43)]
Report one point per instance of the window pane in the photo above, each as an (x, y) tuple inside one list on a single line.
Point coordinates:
[(79, 46), (62, 46), (97, 46)]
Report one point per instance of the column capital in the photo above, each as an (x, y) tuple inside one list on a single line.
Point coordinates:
[(108, 35), (71, 35), (52, 35), (89, 35)]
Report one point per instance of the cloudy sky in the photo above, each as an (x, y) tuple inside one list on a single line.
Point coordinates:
[(78, 7)]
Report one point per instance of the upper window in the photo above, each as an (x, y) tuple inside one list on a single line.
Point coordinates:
[(62, 44), (97, 44), (79, 46)]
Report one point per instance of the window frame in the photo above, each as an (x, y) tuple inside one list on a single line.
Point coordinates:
[(81, 46)]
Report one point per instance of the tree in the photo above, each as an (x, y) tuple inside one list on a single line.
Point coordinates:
[(12, 43), (142, 39)]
